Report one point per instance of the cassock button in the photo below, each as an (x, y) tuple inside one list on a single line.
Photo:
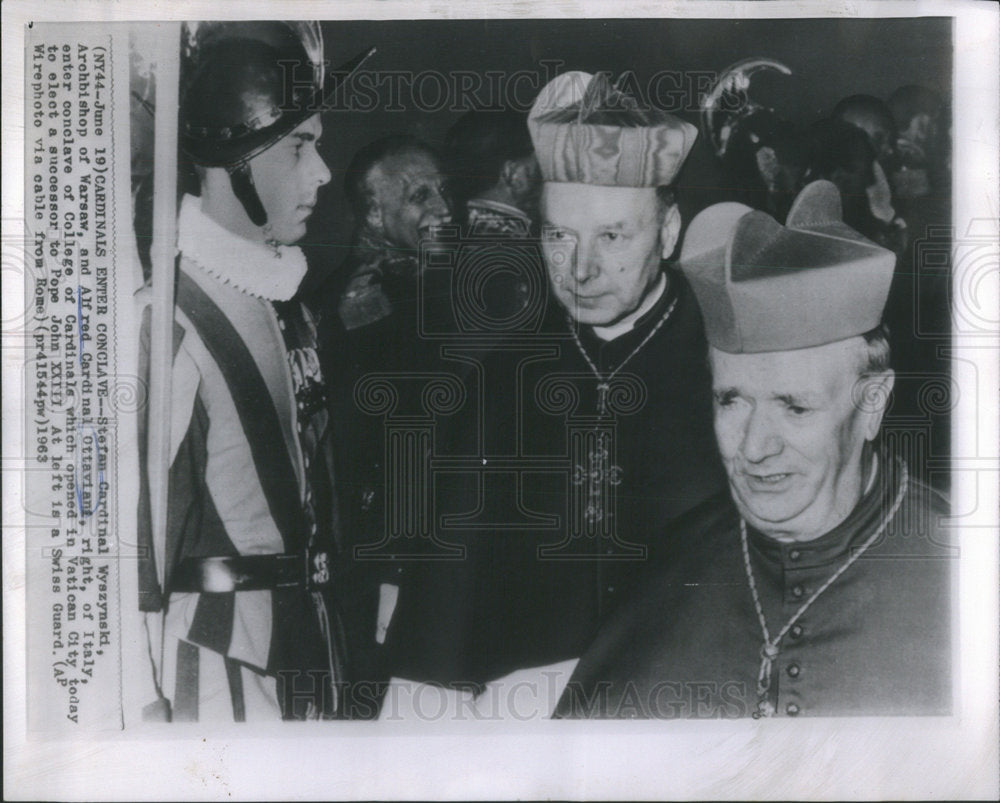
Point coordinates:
[(611, 589), (795, 631), (794, 554), (798, 591), (792, 709), (794, 670)]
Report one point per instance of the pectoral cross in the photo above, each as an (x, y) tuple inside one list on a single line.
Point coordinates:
[(768, 652), (602, 398), (598, 471)]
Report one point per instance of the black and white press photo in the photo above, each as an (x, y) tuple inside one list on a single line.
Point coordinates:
[(580, 388)]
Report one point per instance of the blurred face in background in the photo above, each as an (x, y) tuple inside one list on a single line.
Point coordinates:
[(524, 179), (880, 131), (409, 202)]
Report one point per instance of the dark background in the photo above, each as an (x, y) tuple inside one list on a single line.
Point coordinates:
[(829, 58)]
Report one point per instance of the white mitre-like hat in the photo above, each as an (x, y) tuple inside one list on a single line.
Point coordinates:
[(587, 132)]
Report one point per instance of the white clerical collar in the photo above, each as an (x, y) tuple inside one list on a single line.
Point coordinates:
[(628, 322), (256, 269)]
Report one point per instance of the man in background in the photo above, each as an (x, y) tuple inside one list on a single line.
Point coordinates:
[(495, 181), (873, 117), (396, 189), (493, 172), (917, 112)]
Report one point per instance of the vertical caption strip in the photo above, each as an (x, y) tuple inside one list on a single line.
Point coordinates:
[(69, 383)]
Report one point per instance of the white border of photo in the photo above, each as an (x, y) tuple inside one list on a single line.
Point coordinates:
[(486, 757)]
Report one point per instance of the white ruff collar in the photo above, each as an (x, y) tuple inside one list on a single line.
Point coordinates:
[(252, 268)]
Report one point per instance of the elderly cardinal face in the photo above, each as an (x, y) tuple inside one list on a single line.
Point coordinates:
[(409, 200), (602, 248), (790, 431)]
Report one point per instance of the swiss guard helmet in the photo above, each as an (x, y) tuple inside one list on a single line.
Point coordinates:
[(245, 86)]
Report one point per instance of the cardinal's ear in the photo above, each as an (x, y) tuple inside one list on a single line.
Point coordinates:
[(670, 230), (876, 394)]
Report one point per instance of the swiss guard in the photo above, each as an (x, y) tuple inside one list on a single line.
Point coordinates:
[(824, 588), (246, 583)]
